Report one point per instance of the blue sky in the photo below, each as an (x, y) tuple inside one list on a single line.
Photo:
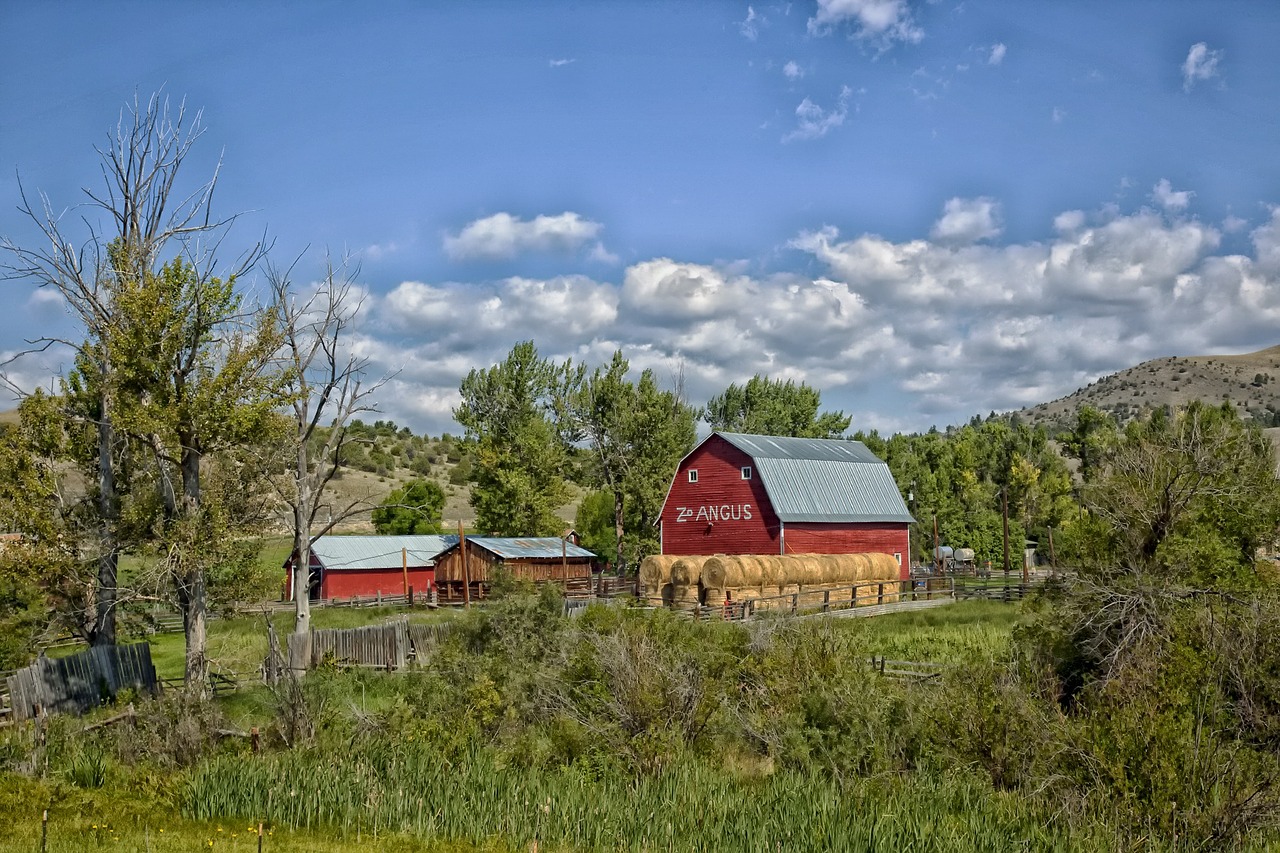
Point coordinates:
[(925, 209)]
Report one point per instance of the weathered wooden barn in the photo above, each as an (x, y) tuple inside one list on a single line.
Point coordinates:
[(538, 559), (345, 566), (759, 494)]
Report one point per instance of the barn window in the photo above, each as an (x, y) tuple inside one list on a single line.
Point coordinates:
[(898, 557), (746, 472), (693, 475)]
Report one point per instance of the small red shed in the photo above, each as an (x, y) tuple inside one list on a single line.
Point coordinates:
[(760, 494), (345, 566)]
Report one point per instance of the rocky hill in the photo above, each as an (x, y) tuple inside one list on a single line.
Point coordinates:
[(1250, 381)]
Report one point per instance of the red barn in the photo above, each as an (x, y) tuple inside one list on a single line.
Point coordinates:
[(761, 494), (344, 566)]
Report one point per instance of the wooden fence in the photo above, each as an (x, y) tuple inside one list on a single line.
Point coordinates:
[(850, 599), (79, 682), (390, 646)]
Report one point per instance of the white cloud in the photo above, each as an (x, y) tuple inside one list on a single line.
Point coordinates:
[(1164, 195), (880, 21), (967, 220), (1058, 114), (505, 236), (813, 122), (996, 56), (903, 332), (1200, 65), (792, 71), (560, 63), (750, 26)]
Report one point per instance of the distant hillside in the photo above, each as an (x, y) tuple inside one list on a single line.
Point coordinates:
[(1251, 382)]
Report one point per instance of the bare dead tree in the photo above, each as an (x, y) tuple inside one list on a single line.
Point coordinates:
[(326, 390), (125, 227)]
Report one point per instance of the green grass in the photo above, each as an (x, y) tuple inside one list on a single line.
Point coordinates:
[(124, 820), (694, 805), (964, 632)]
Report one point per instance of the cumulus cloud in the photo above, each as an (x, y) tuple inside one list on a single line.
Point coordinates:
[(996, 56), (903, 333), (968, 220), (792, 71), (1164, 195), (750, 25), (813, 122), (504, 236), (881, 21), (1200, 65)]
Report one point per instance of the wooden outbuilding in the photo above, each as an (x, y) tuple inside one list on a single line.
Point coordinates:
[(346, 566), (758, 494), (537, 559)]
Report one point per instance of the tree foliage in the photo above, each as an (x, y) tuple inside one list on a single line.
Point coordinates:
[(414, 508), (765, 406), (509, 409), (636, 434)]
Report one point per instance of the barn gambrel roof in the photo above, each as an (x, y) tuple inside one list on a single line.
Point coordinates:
[(379, 552), (822, 480)]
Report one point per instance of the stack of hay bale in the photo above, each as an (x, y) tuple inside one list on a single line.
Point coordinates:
[(744, 578), (672, 581)]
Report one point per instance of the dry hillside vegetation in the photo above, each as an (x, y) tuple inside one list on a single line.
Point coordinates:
[(1251, 382)]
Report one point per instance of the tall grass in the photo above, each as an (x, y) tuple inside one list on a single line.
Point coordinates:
[(694, 805)]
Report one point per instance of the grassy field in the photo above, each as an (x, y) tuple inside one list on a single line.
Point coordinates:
[(378, 788)]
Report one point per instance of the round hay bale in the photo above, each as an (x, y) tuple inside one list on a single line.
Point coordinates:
[(684, 596), (884, 567), (715, 573), (655, 570)]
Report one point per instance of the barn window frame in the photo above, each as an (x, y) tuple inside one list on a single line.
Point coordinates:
[(693, 475), (746, 472), (897, 555)]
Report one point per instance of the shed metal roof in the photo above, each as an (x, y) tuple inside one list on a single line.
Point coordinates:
[(379, 552), (534, 548), (823, 480)]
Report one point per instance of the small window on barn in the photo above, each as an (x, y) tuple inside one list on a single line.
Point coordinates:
[(693, 475), (746, 472), (898, 557)]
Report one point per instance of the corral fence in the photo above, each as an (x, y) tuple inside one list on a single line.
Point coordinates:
[(395, 645), (852, 599), (79, 682), (907, 670), (1007, 587)]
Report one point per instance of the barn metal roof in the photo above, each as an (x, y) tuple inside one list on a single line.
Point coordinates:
[(379, 552), (535, 548), (825, 480)]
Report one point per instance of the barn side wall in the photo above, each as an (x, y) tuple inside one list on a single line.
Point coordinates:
[(850, 538), (721, 513), (344, 583)]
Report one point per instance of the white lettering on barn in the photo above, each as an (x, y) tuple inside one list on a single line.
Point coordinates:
[(717, 512)]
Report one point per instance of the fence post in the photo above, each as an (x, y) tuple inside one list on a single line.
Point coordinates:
[(826, 600), (795, 602), (880, 593)]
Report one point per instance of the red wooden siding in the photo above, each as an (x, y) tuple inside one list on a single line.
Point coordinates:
[(850, 538), (721, 513), (345, 583)]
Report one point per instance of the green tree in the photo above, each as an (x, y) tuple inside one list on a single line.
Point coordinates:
[(636, 433), (1089, 440), (520, 457), (766, 406), (594, 522), (195, 385), (416, 507)]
